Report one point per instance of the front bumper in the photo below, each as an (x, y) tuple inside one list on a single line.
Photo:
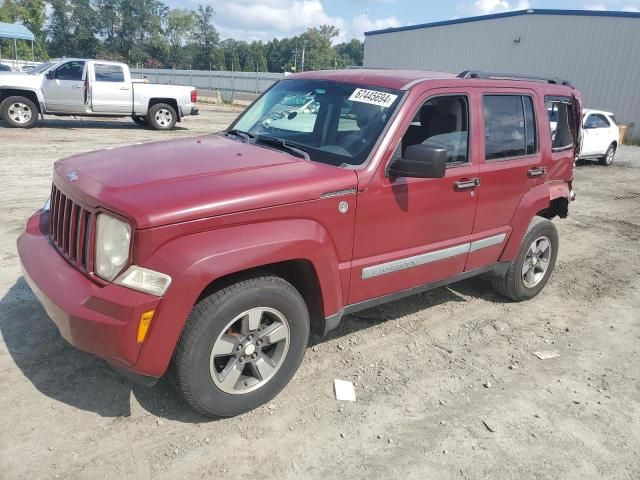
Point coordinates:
[(102, 320)]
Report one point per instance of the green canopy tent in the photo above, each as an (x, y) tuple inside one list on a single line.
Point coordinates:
[(15, 32)]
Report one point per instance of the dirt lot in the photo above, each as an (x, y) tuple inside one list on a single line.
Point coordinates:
[(447, 383)]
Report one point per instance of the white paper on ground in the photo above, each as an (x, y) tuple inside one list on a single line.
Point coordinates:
[(546, 354), (344, 390)]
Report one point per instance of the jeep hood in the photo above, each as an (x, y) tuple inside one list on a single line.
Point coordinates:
[(174, 181)]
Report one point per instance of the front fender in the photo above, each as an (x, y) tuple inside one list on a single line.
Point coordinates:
[(196, 260), (535, 200)]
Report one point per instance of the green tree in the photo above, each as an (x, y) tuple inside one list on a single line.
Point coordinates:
[(180, 25), (205, 36)]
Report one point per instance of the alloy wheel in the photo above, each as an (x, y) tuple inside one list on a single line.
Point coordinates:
[(250, 350), (20, 113), (536, 262), (164, 117)]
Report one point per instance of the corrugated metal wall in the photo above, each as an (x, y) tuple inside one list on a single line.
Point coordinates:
[(600, 55)]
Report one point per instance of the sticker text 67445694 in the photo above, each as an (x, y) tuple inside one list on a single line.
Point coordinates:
[(373, 97)]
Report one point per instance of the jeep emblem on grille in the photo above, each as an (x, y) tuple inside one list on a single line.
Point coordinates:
[(72, 176)]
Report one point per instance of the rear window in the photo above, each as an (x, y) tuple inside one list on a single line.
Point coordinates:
[(509, 126), (109, 73)]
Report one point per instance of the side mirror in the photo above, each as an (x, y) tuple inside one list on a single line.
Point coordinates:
[(420, 161), (51, 74)]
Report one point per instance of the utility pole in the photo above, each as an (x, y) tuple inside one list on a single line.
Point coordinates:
[(304, 45), (295, 60)]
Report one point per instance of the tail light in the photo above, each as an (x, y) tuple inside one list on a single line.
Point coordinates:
[(194, 96)]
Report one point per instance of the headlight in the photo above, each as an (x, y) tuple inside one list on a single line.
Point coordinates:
[(113, 238), (144, 280)]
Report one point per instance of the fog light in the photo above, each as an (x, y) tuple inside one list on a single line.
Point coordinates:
[(144, 280), (143, 326)]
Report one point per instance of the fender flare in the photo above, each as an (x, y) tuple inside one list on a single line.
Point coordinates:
[(38, 93), (535, 200), (197, 260)]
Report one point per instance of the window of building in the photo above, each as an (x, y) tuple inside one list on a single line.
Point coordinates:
[(442, 122), (509, 126), (109, 73)]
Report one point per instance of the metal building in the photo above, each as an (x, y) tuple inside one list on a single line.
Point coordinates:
[(598, 51)]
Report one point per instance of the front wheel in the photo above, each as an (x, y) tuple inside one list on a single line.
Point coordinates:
[(608, 156), (18, 112), (240, 346), (530, 271), (162, 116)]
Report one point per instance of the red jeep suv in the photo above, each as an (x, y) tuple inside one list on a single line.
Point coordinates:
[(211, 259)]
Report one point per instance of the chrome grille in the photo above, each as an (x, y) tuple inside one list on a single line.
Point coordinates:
[(70, 228)]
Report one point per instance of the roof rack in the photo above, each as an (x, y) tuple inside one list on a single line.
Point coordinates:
[(511, 76)]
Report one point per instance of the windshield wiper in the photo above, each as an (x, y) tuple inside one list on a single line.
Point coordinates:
[(246, 136), (280, 143)]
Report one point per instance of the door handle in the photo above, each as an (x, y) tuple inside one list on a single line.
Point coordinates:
[(77, 86), (466, 184), (124, 88), (536, 172)]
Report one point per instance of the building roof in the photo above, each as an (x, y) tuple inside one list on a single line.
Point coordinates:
[(537, 11), (395, 79), (15, 30)]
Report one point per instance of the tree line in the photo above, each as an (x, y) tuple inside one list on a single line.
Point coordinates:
[(148, 33)]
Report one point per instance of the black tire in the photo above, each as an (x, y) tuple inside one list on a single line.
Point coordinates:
[(162, 116), (607, 159), (512, 285), (189, 371), (142, 121), (10, 115)]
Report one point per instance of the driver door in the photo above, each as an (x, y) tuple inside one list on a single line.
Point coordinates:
[(65, 89)]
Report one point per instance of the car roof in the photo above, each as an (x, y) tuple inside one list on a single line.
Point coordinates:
[(587, 111), (396, 79), (404, 79)]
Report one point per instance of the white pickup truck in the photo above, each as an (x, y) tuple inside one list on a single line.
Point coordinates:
[(81, 87)]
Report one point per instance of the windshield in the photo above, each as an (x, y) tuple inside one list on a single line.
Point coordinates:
[(43, 67), (335, 123)]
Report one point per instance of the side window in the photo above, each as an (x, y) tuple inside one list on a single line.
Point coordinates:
[(109, 73), (509, 126), (70, 71), (560, 124), (442, 122), (601, 122)]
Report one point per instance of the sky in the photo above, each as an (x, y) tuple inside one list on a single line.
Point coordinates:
[(266, 19)]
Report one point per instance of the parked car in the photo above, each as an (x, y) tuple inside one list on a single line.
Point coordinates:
[(214, 269), (91, 88), (600, 136), (4, 68)]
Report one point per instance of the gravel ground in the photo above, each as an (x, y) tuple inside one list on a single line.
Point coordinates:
[(447, 383)]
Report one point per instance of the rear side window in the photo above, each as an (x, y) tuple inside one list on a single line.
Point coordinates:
[(109, 73), (509, 126), (560, 121)]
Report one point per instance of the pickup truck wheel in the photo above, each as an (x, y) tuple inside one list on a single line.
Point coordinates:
[(530, 271), (142, 121), (162, 116), (18, 112), (608, 156), (240, 346)]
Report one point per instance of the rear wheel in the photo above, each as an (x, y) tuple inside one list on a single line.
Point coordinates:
[(608, 156), (530, 271), (142, 121), (240, 346), (18, 112), (162, 116)]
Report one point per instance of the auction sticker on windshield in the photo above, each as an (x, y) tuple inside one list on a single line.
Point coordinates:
[(373, 97)]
